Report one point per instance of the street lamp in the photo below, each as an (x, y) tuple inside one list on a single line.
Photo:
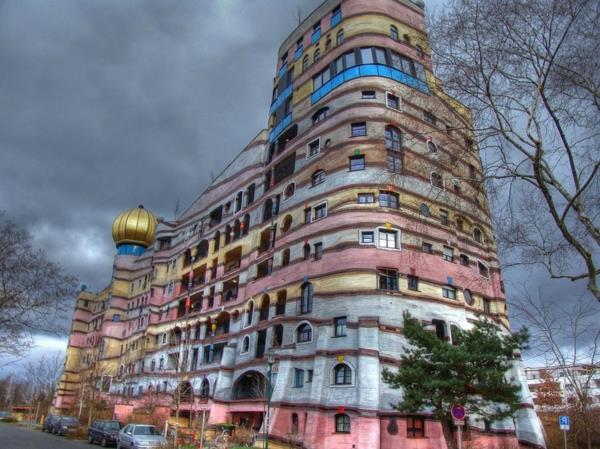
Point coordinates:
[(270, 362)]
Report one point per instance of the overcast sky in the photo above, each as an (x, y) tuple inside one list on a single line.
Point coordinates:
[(105, 105)]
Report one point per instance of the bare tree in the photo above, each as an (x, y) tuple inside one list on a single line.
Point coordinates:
[(567, 338), (42, 378), (34, 292), (529, 71)]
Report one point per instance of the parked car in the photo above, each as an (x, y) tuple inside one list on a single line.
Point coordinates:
[(65, 424), (49, 423), (104, 432), (6, 416), (140, 436)]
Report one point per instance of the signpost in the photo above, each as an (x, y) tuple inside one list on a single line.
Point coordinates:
[(565, 424), (459, 414)]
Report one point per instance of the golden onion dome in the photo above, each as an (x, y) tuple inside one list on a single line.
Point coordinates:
[(136, 226)]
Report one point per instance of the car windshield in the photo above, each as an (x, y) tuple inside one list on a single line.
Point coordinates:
[(111, 426), (145, 430)]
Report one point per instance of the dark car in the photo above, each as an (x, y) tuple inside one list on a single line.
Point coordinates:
[(6, 416), (49, 423), (104, 432), (65, 424)]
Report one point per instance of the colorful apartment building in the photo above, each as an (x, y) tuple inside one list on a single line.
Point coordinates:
[(362, 199)]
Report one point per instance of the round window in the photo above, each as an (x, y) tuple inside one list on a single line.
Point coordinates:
[(468, 296), (432, 146)]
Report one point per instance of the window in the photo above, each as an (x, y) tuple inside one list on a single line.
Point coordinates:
[(340, 326), (427, 248), (357, 162), (368, 95), (392, 138), (319, 212), (298, 378), (464, 260), (359, 129), (394, 32), (366, 198), (345, 61), (388, 279), (245, 344), (309, 376), (317, 177), (415, 427), (449, 292), (304, 333), (306, 298), (448, 253), (420, 52), (424, 208), (392, 101), (306, 251), (318, 116), (483, 270), (316, 55), (444, 217), (321, 78), (460, 224), (429, 117), (367, 237), (487, 305), (342, 374), (339, 37), (431, 146), (305, 63), (388, 199), (366, 55), (437, 180), (468, 296), (307, 215), (388, 238), (342, 423), (328, 42), (318, 251), (413, 282), (316, 34), (477, 235), (289, 191), (295, 424)]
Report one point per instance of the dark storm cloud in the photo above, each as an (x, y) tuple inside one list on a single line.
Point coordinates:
[(108, 104)]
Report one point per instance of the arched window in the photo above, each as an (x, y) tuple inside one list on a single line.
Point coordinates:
[(306, 299), (392, 138), (437, 180), (342, 374), (281, 299), (285, 257), (295, 426), (477, 235), (305, 63), (250, 194), (342, 423), (394, 32), (264, 308), (205, 388), (317, 55), (286, 224), (277, 337), (237, 230), (304, 333), (339, 38), (228, 234), (202, 249), (268, 210), (217, 240), (306, 251), (246, 224), (249, 313), (245, 344), (238, 201), (328, 43), (320, 115), (318, 177)]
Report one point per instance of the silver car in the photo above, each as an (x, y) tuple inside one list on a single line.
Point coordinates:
[(140, 436)]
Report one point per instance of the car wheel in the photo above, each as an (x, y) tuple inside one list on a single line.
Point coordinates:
[(103, 442)]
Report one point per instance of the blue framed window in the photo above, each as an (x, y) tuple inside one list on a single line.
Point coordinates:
[(336, 16), (316, 34)]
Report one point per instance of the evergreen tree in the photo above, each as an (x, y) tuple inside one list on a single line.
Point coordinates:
[(435, 375)]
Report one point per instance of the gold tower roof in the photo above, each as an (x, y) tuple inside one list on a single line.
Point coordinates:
[(136, 226)]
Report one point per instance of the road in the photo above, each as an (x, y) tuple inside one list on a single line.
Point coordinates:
[(14, 437)]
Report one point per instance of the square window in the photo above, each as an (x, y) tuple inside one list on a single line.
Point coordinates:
[(359, 129), (413, 282), (483, 270), (357, 163), (393, 101), (487, 305), (415, 427), (307, 215), (449, 292), (340, 326), (314, 148), (309, 376), (318, 251), (464, 260), (427, 248), (298, 378), (388, 238), (444, 217), (388, 199), (394, 162), (366, 198), (388, 279), (429, 117), (319, 212), (448, 253), (368, 95), (367, 237)]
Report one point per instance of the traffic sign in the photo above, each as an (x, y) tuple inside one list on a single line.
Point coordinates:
[(564, 422), (458, 412)]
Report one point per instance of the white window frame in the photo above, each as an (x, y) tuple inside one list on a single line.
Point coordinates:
[(398, 234), (387, 103), (449, 288), (308, 155), (242, 348), (312, 333), (360, 240), (332, 375)]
